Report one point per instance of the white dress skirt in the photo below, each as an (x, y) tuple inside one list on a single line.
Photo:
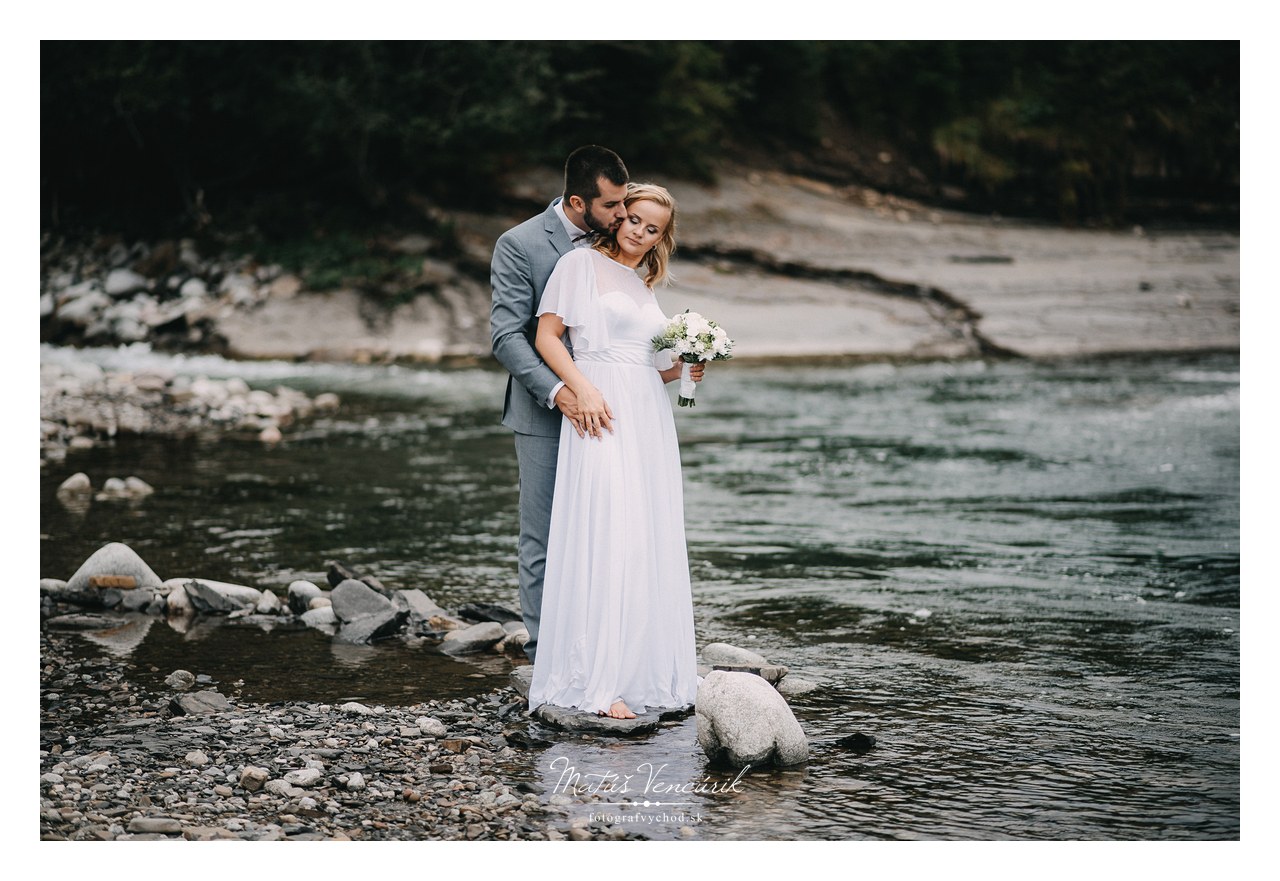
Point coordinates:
[(617, 606)]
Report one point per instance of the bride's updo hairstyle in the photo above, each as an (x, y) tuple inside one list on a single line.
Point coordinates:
[(658, 257)]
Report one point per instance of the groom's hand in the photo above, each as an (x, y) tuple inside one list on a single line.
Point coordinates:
[(567, 401)]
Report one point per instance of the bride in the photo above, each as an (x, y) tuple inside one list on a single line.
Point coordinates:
[(617, 609)]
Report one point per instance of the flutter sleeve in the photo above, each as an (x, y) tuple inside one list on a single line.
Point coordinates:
[(571, 294)]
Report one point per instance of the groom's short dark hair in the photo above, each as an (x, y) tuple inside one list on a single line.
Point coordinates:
[(584, 168)]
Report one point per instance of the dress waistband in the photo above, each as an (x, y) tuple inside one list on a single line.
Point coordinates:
[(632, 356)]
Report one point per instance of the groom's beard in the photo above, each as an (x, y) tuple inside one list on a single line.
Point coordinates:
[(594, 224)]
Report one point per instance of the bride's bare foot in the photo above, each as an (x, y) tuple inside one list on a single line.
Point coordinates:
[(618, 710)]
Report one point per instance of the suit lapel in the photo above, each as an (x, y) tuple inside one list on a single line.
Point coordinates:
[(555, 230)]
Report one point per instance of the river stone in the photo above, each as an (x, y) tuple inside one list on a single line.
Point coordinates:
[(790, 686), (177, 601), (117, 559), (354, 599), (489, 612), (83, 622), (300, 593), (364, 613), (76, 483), (199, 703), (304, 777), (521, 679), (321, 619), (180, 680), (252, 778), (723, 654), (417, 604), (123, 281), (137, 487), (135, 600), (475, 638), (219, 596), (431, 727), (742, 720), (162, 825), (269, 604), (583, 721)]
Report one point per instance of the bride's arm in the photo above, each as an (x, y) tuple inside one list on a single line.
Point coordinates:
[(593, 411)]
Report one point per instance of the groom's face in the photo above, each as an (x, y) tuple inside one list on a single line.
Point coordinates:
[(605, 212)]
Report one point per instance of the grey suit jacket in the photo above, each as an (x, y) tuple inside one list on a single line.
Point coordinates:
[(522, 262)]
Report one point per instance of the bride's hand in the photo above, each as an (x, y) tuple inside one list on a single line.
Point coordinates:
[(593, 413)]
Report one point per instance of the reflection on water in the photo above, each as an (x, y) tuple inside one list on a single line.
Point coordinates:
[(1023, 580)]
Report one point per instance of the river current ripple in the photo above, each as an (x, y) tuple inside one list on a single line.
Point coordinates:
[(1021, 579)]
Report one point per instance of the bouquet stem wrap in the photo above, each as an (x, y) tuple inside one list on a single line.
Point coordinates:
[(687, 385)]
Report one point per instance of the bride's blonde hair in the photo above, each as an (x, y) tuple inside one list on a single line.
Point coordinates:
[(656, 260)]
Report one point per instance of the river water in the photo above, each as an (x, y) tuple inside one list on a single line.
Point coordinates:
[(1021, 579)]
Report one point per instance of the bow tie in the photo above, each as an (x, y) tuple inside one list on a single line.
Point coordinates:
[(582, 237)]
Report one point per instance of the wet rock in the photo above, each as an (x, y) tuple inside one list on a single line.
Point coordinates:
[(269, 604), (82, 622), (326, 401), (489, 612), (742, 721), (177, 601), (583, 722), (521, 679), (76, 483), (322, 619), (299, 594), (364, 613), (199, 703), (219, 596), (419, 606), (858, 742), (180, 680), (792, 686), (339, 573), (476, 638), (721, 653), (136, 487), (113, 560)]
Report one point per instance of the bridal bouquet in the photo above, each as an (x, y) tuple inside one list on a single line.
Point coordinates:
[(693, 338)]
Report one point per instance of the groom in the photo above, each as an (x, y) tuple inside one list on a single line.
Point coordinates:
[(595, 186)]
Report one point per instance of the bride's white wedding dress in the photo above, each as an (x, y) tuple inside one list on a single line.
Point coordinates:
[(617, 608)]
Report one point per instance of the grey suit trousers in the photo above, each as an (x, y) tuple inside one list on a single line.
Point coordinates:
[(536, 455)]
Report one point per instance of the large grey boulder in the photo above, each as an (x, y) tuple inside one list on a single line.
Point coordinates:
[(475, 638), (742, 720), (114, 560), (364, 613), (423, 609), (220, 596)]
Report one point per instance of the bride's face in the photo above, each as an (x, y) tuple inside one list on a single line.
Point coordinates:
[(642, 228)]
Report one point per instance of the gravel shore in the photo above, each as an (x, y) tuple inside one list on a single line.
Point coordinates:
[(120, 763)]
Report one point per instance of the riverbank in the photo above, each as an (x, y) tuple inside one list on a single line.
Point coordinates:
[(793, 267)]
